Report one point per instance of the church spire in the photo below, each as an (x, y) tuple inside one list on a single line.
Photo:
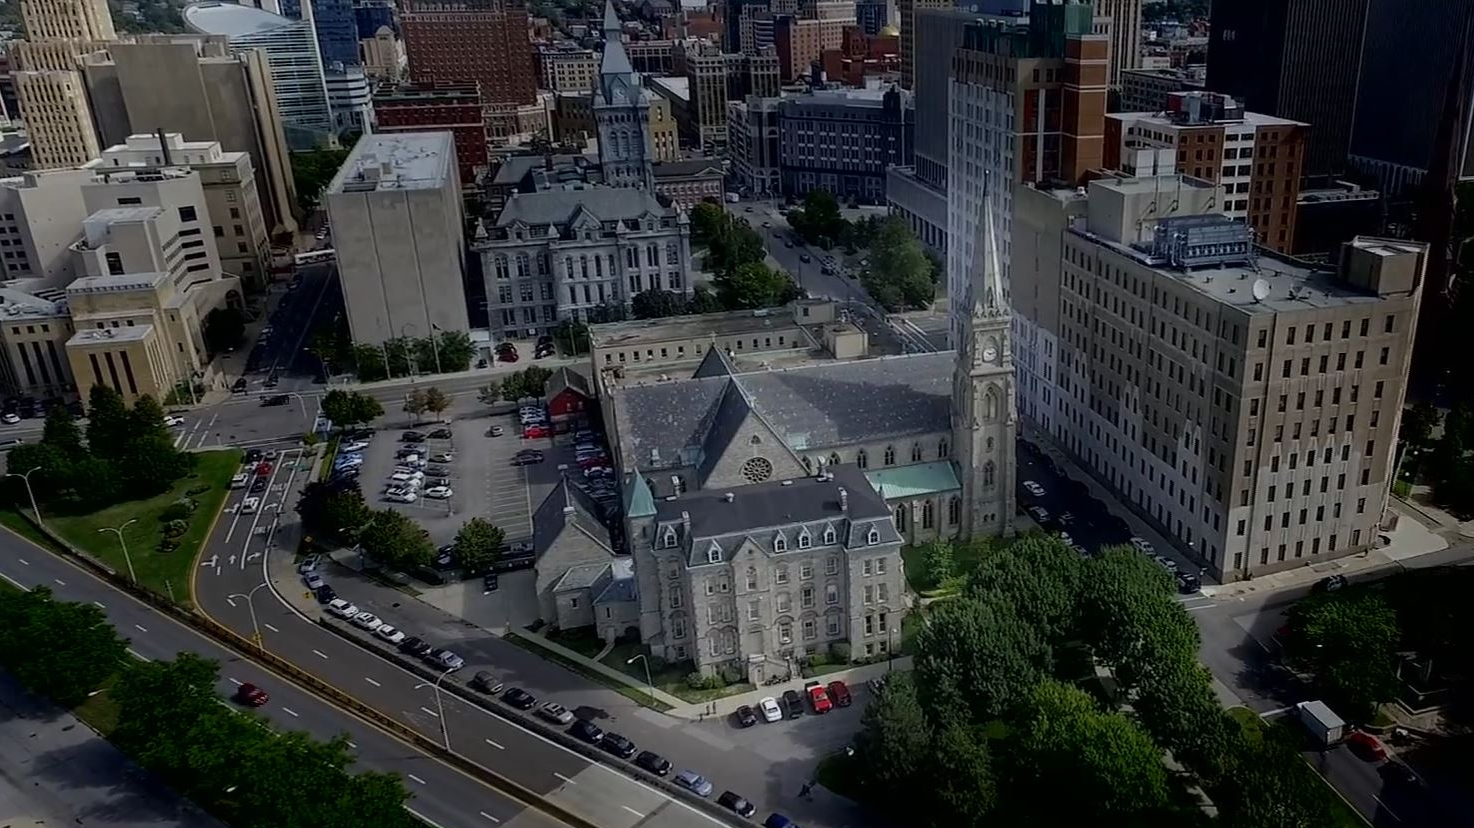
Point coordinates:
[(986, 282), (612, 26)]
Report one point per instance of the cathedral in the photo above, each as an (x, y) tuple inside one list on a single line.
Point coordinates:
[(622, 114), (766, 508)]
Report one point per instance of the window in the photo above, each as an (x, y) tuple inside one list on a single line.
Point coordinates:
[(954, 510), (780, 543), (754, 611), (916, 452), (805, 540), (861, 459), (780, 575), (943, 449), (880, 566), (188, 213), (805, 571), (751, 579), (806, 597), (884, 591), (678, 626), (810, 628), (869, 594), (714, 554), (829, 536), (831, 626), (890, 455), (873, 536), (675, 598), (785, 631), (783, 603), (831, 594)]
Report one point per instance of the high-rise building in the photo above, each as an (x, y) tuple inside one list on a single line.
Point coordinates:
[(1409, 56), (350, 98), (58, 121), (1244, 404), (214, 95), (566, 67), (1296, 60), (1259, 159), (296, 65), (1125, 16), (73, 20), (843, 141), (395, 210), (1146, 90), (370, 16), (873, 15), (382, 56), (907, 10), (336, 25), (447, 107), (705, 71), (1028, 105), (752, 146), (40, 213), (471, 40), (622, 114)]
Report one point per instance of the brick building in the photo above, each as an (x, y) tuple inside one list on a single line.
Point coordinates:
[(439, 107)]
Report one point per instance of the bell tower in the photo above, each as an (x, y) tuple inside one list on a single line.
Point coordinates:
[(622, 114), (983, 421)]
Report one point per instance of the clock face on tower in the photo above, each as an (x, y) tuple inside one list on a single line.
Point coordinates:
[(990, 354)]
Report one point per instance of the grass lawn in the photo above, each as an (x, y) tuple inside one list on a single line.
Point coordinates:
[(159, 572), (965, 559), (911, 624), (637, 696), (1344, 815), (671, 678), (100, 712)]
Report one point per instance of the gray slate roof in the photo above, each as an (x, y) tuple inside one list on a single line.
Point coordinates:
[(617, 583), (763, 512), (714, 364), (550, 520), (564, 378), (811, 407), (559, 206)]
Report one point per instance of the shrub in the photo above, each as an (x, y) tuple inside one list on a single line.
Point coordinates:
[(729, 675), (310, 439), (168, 545), (818, 660), (175, 528), (180, 509), (841, 651), (195, 491), (696, 681)]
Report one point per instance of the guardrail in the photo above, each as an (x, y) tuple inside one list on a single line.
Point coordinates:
[(533, 723), (244, 648)]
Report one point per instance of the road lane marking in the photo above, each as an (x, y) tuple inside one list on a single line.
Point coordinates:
[(495, 745), (22, 587), (320, 653), (371, 681), (141, 628), (290, 712), (24, 561), (350, 744), (269, 627), (99, 605), (138, 655), (564, 778), (637, 814), (234, 680), (1385, 808), (489, 816), (415, 778), (431, 712), (59, 582)]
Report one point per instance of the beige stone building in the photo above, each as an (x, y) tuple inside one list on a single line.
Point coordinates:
[(568, 70), (1244, 403), (67, 20), (383, 56), (33, 340), (53, 105), (41, 215), (231, 197)]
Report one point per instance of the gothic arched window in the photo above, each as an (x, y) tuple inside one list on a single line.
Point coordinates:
[(928, 514), (954, 510), (916, 452), (990, 403), (943, 449), (862, 459), (834, 458), (890, 455), (901, 518), (990, 473)]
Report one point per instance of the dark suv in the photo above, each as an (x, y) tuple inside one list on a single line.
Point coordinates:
[(618, 745), (794, 703)]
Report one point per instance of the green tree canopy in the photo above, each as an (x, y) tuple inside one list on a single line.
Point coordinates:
[(753, 285), (62, 432), (333, 509), (979, 657), (656, 304), (572, 337), (436, 401), (1041, 577), (59, 649), (107, 422), (899, 275), (1130, 617), (350, 408), (478, 544), (706, 221), (893, 748), (818, 221), (490, 393), (396, 541), (414, 404), (1348, 641)]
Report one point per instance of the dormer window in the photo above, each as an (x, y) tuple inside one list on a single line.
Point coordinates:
[(805, 540), (872, 537), (780, 543), (829, 535), (714, 552), (668, 539)]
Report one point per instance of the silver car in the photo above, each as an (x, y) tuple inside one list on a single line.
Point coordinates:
[(693, 782), (450, 661)]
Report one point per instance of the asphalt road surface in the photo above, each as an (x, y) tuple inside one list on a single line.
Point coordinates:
[(442, 796)]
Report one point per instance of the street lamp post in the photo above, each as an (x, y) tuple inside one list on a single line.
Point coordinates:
[(132, 576), (439, 706), (641, 657), (29, 491), (301, 402), (251, 605)]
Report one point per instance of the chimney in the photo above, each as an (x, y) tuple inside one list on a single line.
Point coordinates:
[(819, 469), (844, 499), (729, 497), (164, 148), (685, 524)]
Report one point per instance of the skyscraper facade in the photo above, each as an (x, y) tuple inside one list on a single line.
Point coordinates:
[(907, 10), (1125, 18), (471, 40), (336, 26), (84, 20)]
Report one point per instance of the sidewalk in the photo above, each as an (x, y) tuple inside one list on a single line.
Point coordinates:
[(724, 706)]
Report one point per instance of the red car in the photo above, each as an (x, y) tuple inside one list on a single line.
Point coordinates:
[(263, 469), (820, 699), (1366, 746), (251, 696), (840, 694), (536, 431)]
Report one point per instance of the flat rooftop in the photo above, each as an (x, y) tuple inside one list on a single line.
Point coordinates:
[(652, 331), (106, 336), (397, 161), (679, 87), (1166, 121)]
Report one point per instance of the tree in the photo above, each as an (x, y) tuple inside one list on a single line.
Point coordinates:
[(752, 285), (436, 401), (350, 408), (62, 432), (150, 462), (369, 363), (707, 220), (456, 351), (735, 245), (572, 337), (333, 509), (1130, 618), (1349, 642), (978, 657), (312, 171), (1040, 577), (159, 703), (59, 649), (704, 301), (899, 275), (656, 304), (1269, 785), (489, 394), (938, 562), (1178, 708), (478, 544), (414, 404), (531, 381), (892, 748), (1115, 771), (818, 221), (396, 541), (1418, 423), (224, 329), (962, 775), (107, 421)]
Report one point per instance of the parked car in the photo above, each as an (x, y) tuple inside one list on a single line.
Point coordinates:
[(840, 693), (367, 621), (275, 399), (388, 633), (586, 731), (794, 703), (693, 782), (777, 820), (771, 711), (819, 698), (250, 505), (486, 683), (439, 492), (401, 497), (259, 485), (251, 696), (1188, 583), (240, 481), (1366, 746), (325, 594), (449, 661), (745, 716), (736, 804), (352, 446), (411, 437), (497, 431), (440, 434), (173, 420), (314, 581), (653, 762), (442, 457), (617, 745), (415, 647), (519, 698), (527, 459), (556, 713), (342, 608), (1330, 584), (1143, 546), (536, 432), (1033, 488)]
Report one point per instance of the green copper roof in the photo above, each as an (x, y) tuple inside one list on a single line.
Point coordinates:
[(638, 502), (903, 482)]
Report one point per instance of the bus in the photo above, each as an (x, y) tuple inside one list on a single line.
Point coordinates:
[(315, 257)]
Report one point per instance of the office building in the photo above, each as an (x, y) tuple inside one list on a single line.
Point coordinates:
[(471, 40), (844, 141), (395, 211), (622, 114), (67, 20), (564, 67), (543, 263), (228, 182), (704, 70), (1295, 60), (800, 41), (652, 57), (350, 98), (58, 121), (1125, 32), (382, 56), (907, 11), (1259, 159), (1328, 217), (292, 53), (439, 107), (918, 194), (369, 16), (753, 148), (214, 95), (33, 338), (1028, 104), (1411, 54), (686, 183), (40, 216), (1245, 404), (1147, 90), (873, 15), (336, 25)]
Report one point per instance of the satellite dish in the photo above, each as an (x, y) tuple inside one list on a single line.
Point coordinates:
[(1261, 290)]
